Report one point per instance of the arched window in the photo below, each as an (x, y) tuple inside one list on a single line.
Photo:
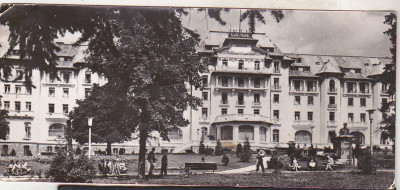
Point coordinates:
[(57, 130), (332, 86), (275, 135), (49, 149), (246, 132), (303, 137), (175, 134), (359, 138), (115, 150), (263, 134), (226, 133), (204, 132)]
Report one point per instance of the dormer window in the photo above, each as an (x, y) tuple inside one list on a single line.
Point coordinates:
[(317, 63), (257, 65), (306, 69), (357, 70), (69, 59), (241, 64), (366, 64), (225, 63), (298, 60)]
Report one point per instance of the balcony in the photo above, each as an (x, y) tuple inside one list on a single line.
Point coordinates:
[(357, 125), (226, 69), (332, 105), (19, 113), (223, 103), (276, 88), (332, 90), (240, 104), (331, 124), (57, 117), (241, 118), (303, 122), (256, 104)]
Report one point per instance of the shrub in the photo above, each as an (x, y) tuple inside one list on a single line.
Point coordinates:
[(239, 150), (209, 151), (202, 148), (275, 163), (13, 153), (29, 153), (78, 151), (71, 168), (366, 164), (225, 160), (218, 148), (246, 154)]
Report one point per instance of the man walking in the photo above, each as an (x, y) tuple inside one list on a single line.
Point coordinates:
[(152, 159), (164, 164), (260, 156)]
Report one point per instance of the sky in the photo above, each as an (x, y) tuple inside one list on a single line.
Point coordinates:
[(354, 33)]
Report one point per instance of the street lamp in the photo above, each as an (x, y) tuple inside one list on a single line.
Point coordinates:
[(90, 123), (370, 112)]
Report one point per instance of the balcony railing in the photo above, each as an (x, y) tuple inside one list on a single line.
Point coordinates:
[(331, 122), (276, 87), (257, 103), (357, 124), (222, 102), (332, 106), (241, 117), (332, 90), (240, 103), (303, 122)]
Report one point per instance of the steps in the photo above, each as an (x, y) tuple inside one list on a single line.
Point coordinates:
[(182, 148)]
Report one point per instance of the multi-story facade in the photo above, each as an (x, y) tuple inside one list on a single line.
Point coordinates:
[(252, 91)]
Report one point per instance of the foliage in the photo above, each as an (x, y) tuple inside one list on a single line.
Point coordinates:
[(78, 151), (275, 163), (225, 160), (4, 127), (71, 168), (12, 153), (389, 77), (209, 151), (218, 148), (246, 153), (253, 14), (366, 164), (202, 148), (239, 149)]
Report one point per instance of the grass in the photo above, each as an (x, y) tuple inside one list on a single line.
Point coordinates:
[(380, 180)]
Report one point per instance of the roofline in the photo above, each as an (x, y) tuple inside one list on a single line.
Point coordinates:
[(236, 32), (334, 55)]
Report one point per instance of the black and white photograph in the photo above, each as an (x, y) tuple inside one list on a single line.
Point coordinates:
[(186, 96)]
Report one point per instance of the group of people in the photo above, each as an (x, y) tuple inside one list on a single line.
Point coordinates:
[(109, 167), (152, 160), (17, 168)]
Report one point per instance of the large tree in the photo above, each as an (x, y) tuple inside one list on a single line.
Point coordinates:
[(389, 77), (3, 123)]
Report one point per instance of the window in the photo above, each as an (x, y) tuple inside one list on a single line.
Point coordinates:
[(297, 100), (331, 116), (17, 89), (263, 134), (257, 65), (350, 102), (240, 99), (241, 64), (56, 130), (224, 111), (240, 82), (364, 88), (28, 106), (175, 133), (28, 130), (246, 132), (7, 88), (240, 111), (20, 75), (276, 67), (310, 86), (28, 91), (275, 135), (256, 98), (332, 87), (362, 117), (276, 114), (226, 133), (351, 117), (224, 97), (331, 99), (8, 130), (17, 106), (65, 108), (351, 87), (224, 81), (303, 137), (256, 83), (310, 116), (65, 92), (88, 91), (69, 59), (225, 63), (276, 83), (7, 105), (66, 77), (297, 116), (385, 87), (331, 135), (49, 149), (205, 81), (363, 102), (297, 85), (256, 111), (204, 112), (51, 108), (310, 100), (52, 91), (88, 77), (384, 100), (276, 98), (205, 95)]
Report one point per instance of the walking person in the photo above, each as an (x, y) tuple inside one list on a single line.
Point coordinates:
[(164, 164), (152, 159), (329, 163), (260, 163)]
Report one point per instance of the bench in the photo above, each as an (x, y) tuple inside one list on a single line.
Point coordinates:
[(201, 166)]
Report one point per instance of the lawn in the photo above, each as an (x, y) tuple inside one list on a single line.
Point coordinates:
[(380, 180)]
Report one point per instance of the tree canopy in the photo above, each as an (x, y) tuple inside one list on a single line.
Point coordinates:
[(4, 127)]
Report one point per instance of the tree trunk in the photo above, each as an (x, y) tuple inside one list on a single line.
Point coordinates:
[(108, 149), (142, 154)]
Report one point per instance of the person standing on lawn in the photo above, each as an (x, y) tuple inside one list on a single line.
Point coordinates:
[(164, 164), (152, 159), (260, 155)]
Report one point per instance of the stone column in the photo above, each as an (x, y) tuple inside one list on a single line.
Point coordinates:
[(218, 132), (257, 134), (235, 131)]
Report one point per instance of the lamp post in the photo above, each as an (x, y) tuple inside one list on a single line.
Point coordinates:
[(90, 122), (370, 112)]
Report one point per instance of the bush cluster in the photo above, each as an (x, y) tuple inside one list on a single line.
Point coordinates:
[(225, 160)]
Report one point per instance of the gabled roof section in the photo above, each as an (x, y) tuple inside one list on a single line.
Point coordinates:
[(329, 67)]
